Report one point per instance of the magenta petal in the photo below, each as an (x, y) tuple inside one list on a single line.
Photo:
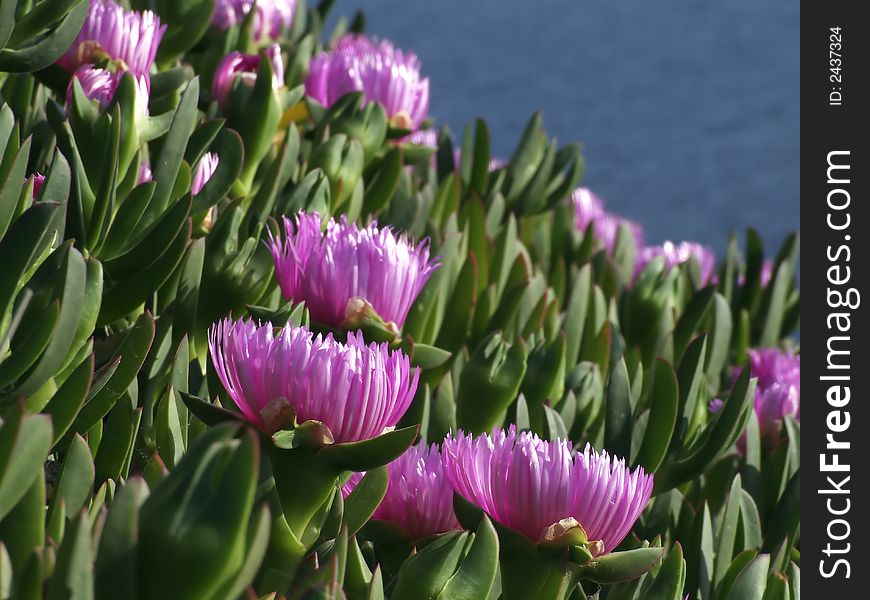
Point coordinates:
[(327, 270), (358, 391), (382, 72), (529, 484)]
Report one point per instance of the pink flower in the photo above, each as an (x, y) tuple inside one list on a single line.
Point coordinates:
[(205, 168), (145, 174), (377, 69), (337, 271), (589, 208), (101, 85), (677, 254), (272, 16), (38, 181), (129, 38), (357, 391), (530, 484), (777, 392), (419, 496), (429, 137), (244, 67)]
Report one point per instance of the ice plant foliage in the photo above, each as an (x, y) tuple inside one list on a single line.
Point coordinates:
[(270, 18), (589, 208), (128, 38), (429, 137), (382, 72), (205, 168), (677, 254), (530, 484), (358, 391), (244, 67), (338, 271)]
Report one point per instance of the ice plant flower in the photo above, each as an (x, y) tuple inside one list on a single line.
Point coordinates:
[(145, 174), (127, 38), (244, 67), (419, 496), (345, 269), (589, 208), (766, 274), (38, 181), (777, 392), (270, 19), (357, 391), (351, 483), (101, 84), (538, 487), (429, 137), (677, 254), (205, 168), (97, 84), (376, 68)]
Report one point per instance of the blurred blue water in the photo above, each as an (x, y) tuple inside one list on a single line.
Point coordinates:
[(688, 110)]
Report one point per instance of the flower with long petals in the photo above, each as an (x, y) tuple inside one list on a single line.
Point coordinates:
[(244, 67), (537, 487), (677, 254), (205, 168), (376, 68), (101, 84), (346, 268), (128, 38), (589, 208), (351, 483), (271, 16), (777, 392), (419, 496), (355, 390)]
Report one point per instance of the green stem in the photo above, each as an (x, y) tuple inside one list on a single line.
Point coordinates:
[(304, 482)]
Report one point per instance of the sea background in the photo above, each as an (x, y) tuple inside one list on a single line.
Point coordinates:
[(688, 111)]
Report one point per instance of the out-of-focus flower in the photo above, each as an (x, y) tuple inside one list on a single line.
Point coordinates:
[(677, 254), (777, 392), (541, 488), (38, 181), (357, 391), (375, 67), (429, 137), (145, 173), (339, 272), (419, 496), (766, 274), (589, 208), (205, 168), (128, 38), (270, 18), (244, 67), (97, 84), (101, 85)]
